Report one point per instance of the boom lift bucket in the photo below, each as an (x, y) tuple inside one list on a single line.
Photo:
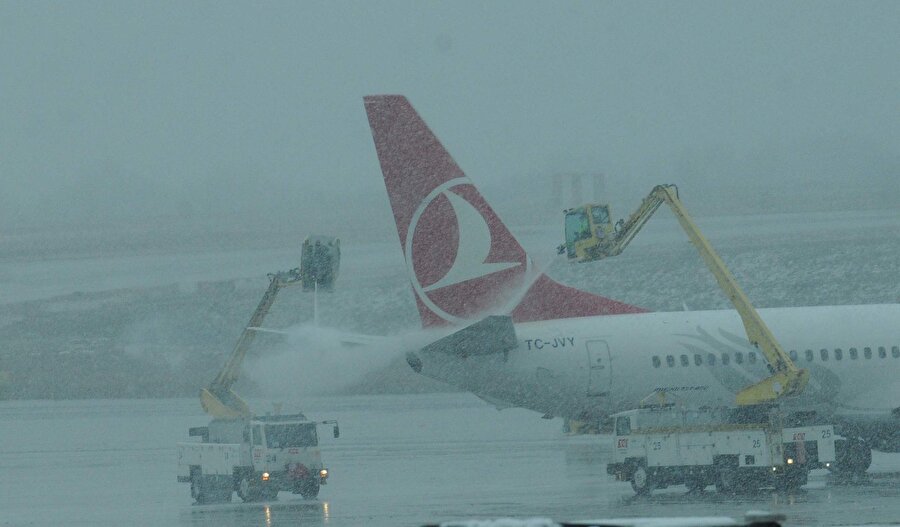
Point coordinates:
[(320, 261)]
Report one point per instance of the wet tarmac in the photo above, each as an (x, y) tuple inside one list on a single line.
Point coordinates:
[(401, 461)]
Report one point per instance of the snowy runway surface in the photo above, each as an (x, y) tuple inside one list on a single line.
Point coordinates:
[(402, 460)]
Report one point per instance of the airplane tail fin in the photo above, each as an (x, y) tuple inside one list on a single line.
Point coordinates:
[(463, 262)]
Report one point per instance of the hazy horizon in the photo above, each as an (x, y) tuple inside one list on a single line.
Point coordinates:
[(207, 116)]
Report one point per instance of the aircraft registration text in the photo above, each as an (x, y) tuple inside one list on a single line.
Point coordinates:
[(556, 342)]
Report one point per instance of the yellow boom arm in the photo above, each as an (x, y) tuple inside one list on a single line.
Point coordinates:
[(218, 399), (786, 378)]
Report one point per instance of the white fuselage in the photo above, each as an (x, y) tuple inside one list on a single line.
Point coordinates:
[(595, 366)]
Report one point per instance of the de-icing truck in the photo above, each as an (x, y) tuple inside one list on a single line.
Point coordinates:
[(731, 448), (254, 456)]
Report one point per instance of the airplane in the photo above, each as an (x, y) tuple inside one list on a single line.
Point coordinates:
[(515, 337)]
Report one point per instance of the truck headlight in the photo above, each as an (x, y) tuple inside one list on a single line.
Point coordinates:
[(790, 461), (323, 473)]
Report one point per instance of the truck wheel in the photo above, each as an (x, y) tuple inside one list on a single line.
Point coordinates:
[(727, 480), (248, 490), (641, 481), (204, 490), (308, 488), (853, 459)]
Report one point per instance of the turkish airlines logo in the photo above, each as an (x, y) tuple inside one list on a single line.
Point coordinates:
[(464, 261)]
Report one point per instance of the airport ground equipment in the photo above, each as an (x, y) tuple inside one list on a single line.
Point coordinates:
[(255, 456), (591, 236), (259, 456), (319, 264), (320, 261), (726, 447)]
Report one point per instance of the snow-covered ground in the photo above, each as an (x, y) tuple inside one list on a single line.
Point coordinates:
[(171, 312), (29, 275), (401, 461)]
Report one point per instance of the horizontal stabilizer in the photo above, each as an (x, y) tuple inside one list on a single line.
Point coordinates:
[(494, 334)]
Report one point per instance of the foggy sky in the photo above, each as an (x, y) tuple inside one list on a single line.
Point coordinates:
[(203, 112)]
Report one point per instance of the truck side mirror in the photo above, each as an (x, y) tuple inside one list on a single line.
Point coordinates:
[(337, 431)]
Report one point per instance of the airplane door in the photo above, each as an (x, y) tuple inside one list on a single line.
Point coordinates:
[(600, 367)]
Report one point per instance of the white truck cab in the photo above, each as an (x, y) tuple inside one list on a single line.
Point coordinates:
[(256, 456)]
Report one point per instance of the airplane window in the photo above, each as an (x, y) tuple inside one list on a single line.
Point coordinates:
[(853, 353), (725, 359), (685, 361), (698, 360), (711, 358), (838, 354), (882, 353), (739, 357), (867, 353), (752, 357), (895, 352), (824, 353), (793, 355), (656, 361), (809, 355), (670, 360)]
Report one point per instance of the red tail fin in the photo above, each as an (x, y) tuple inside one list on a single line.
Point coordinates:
[(464, 263)]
